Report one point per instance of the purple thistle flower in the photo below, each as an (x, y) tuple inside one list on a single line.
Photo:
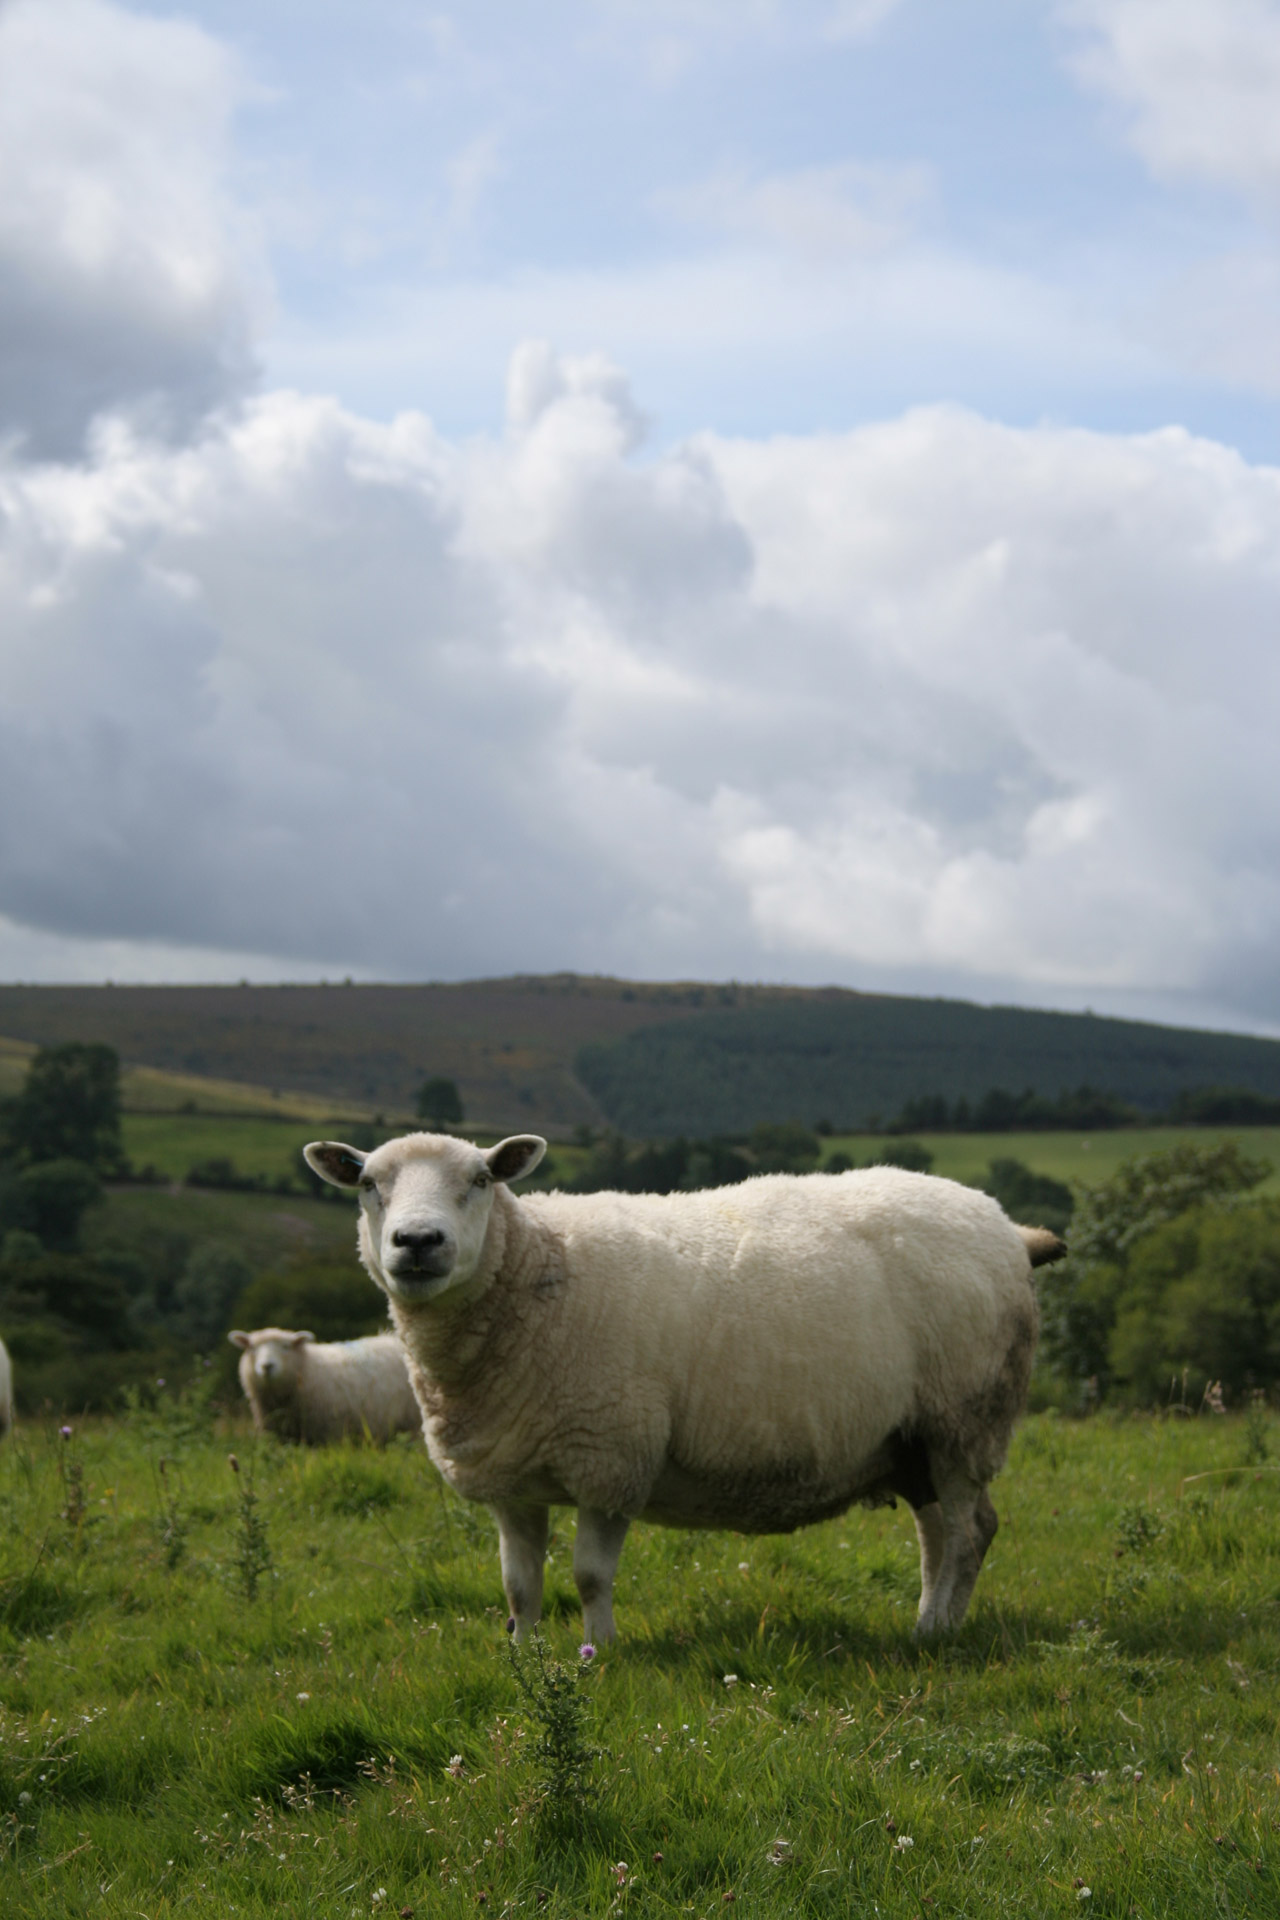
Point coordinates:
[(65, 1432), (586, 1651)]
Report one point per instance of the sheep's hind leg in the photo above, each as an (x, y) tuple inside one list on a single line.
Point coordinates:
[(931, 1531), (595, 1562), (968, 1523), (522, 1548)]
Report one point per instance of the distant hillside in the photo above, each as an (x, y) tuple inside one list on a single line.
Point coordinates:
[(510, 1044), (854, 1058), (556, 1051)]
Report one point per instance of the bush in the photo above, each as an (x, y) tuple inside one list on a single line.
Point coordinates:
[(438, 1099), (669, 1166), (212, 1281), (1036, 1199), (1081, 1298), (49, 1201), (785, 1148), (335, 1302), (909, 1154), (69, 1108), (1200, 1294)]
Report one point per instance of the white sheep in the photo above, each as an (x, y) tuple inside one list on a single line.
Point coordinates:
[(302, 1389), (6, 1391), (756, 1356)]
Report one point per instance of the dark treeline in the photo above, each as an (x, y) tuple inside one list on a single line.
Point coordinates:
[(1085, 1109)]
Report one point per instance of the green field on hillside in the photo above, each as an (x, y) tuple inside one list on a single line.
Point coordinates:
[(351, 1741), (173, 1143), (1086, 1158)]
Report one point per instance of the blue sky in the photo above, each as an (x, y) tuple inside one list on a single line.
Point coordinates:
[(980, 227), (784, 491)]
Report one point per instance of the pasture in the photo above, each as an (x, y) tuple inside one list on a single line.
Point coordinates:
[(286, 1690), (267, 1147)]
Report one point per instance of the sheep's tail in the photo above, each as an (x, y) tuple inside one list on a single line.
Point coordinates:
[(1042, 1246)]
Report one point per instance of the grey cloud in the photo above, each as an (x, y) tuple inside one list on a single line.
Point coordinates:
[(935, 700), (127, 278)]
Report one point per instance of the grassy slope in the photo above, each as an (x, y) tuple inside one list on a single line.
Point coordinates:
[(668, 1057), (1103, 1722), (173, 1143), (266, 1230), (510, 1044), (1088, 1158)]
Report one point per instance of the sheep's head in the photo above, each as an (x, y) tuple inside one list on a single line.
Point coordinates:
[(425, 1202), (273, 1360)]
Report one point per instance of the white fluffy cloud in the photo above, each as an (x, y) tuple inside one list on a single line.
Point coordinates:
[(1199, 81), (124, 270), (933, 695)]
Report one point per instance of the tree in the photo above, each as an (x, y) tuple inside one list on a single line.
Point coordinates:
[(206, 1291), (1081, 1298), (48, 1200), (784, 1147), (439, 1100), (912, 1155), (1201, 1299), (69, 1108), (1035, 1199)]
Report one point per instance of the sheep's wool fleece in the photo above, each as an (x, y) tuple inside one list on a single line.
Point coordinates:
[(732, 1357), (332, 1389)]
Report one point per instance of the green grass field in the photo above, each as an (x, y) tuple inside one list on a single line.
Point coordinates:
[(175, 1142), (1101, 1737), (1089, 1158)]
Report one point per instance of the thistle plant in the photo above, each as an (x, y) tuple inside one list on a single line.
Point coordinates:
[(173, 1523), (71, 1472), (252, 1558), (1257, 1426), (560, 1710)]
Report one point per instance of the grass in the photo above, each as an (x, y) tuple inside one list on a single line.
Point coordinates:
[(1090, 1158), (267, 1230), (1100, 1737), (175, 1142)]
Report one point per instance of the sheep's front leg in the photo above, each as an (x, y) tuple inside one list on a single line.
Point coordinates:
[(522, 1547), (595, 1562)]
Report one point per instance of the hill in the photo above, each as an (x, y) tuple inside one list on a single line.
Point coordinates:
[(510, 1044), (854, 1059), (563, 1050)]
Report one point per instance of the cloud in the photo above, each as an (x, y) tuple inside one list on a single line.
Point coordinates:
[(1198, 81), (126, 276), (825, 213), (934, 698)]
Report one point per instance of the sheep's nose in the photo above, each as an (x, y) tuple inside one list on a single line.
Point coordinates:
[(420, 1241)]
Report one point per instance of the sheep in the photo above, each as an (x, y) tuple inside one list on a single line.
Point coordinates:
[(757, 1357), (301, 1389), (6, 1391)]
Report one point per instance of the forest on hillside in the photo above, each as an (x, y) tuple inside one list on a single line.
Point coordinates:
[(857, 1061)]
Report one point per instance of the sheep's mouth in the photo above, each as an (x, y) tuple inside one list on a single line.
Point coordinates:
[(416, 1283)]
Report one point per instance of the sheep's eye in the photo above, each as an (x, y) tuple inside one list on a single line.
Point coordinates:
[(481, 1180), (368, 1186)]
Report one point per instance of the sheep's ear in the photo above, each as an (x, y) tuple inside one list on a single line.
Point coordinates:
[(512, 1159), (340, 1166), (300, 1339), (237, 1338)]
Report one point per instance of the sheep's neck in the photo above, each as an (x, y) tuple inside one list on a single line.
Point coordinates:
[(461, 1339)]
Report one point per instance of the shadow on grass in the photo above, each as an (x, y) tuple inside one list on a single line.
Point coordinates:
[(37, 1601), (332, 1752)]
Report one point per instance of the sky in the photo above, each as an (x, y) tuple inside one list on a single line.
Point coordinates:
[(674, 488)]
